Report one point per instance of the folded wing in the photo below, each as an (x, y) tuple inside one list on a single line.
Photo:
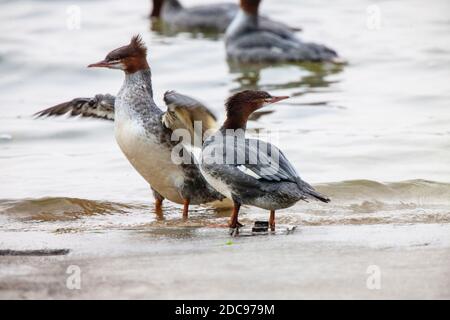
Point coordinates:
[(265, 162)]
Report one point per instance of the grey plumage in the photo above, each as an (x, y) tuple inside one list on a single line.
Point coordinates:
[(175, 100), (248, 40), (264, 177), (101, 106), (135, 101), (210, 17), (182, 111)]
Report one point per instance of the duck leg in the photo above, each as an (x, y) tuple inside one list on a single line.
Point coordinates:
[(185, 208), (158, 202), (234, 223), (158, 209), (272, 220)]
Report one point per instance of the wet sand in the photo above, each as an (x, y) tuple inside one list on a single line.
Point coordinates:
[(323, 262)]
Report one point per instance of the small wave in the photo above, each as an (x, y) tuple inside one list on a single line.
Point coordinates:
[(5, 137), (340, 216), (60, 208), (416, 192), (353, 202)]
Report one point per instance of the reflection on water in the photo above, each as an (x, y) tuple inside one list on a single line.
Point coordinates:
[(163, 29), (313, 75), (272, 78)]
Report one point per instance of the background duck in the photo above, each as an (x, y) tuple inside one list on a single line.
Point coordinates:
[(248, 40), (209, 17)]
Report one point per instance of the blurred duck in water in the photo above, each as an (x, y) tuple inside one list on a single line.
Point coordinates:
[(208, 18), (248, 40)]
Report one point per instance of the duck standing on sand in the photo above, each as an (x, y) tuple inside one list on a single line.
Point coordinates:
[(210, 17), (250, 171), (143, 131), (247, 40)]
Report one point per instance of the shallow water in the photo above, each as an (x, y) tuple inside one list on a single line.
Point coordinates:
[(373, 134)]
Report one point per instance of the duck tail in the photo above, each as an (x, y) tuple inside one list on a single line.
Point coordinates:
[(310, 192), (319, 196)]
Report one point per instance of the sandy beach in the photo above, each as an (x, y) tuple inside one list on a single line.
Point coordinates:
[(312, 263)]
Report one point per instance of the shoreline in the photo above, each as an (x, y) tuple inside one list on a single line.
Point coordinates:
[(326, 262)]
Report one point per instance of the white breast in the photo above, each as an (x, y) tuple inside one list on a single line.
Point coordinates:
[(151, 159)]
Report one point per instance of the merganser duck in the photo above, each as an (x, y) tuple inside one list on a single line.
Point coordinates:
[(247, 40), (250, 171), (211, 17), (143, 131)]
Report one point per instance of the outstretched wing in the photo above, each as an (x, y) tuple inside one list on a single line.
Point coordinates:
[(101, 106), (182, 113)]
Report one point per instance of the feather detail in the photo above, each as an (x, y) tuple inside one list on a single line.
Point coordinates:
[(101, 106), (182, 113)]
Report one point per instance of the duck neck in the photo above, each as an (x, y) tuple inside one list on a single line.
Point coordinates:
[(241, 22), (135, 98), (172, 5), (156, 9), (250, 9), (141, 81), (249, 18), (235, 121)]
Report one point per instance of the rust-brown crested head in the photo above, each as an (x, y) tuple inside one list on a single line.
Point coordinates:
[(250, 6), (241, 105), (129, 58), (250, 100)]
